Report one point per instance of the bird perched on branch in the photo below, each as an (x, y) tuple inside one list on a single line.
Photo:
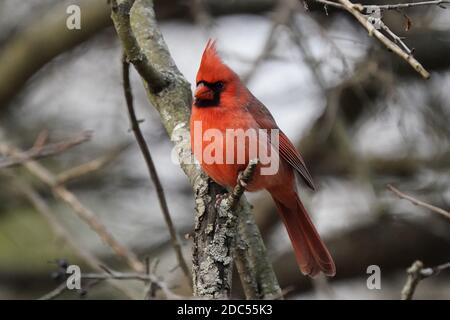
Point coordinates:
[(223, 107)]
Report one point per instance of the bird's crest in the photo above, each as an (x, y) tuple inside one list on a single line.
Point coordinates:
[(212, 68)]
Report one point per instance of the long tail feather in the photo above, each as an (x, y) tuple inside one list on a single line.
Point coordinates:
[(311, 253)]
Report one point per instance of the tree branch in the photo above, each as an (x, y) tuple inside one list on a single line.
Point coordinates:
[(388, 6), (90, 166), (251, 258), (17, 61), (215, 237), (99, 277), (416, 273), (62, 233), (417, 202), (395, 45), (152, 169), (355, 10), (41, 151), (411, 5), (83, 212)]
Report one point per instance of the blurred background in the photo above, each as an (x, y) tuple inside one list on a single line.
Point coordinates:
[(361, 117)]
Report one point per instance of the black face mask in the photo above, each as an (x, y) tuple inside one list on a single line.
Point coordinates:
[(216, 88)]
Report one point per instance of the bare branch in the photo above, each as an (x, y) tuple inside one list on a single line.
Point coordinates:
[(39, 151), (155, 78), (152, 169), (396, 45), (416, 273), (388, 6), (113, 275), (396, 38), (83, 212), (411, 4), (413, 280), (265, 52), (330, 3), (62, 233), (18, 61), (59, 290), (428, 272), (419, 203), (283, 12), (91, 166), (253, 255), (355, 10), (215, 236)]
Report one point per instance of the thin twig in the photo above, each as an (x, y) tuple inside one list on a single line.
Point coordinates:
[(116, 276), (355, 10), (411, 4), (41, 151), (83, 212), (91, 166), (41, 139), (388, 6), (416, 273), (400, 49), (313, 64), (417, 202), (330, 3), (265, 52), (428, 272), (396, 38), (151, 167), (283, 12), (59, 290), (61, 231)]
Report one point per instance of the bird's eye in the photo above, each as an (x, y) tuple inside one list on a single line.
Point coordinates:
[(219, 85)]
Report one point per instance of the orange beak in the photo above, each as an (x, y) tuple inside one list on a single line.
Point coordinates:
[(203, 92)]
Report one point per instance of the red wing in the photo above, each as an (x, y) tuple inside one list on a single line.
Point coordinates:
[(293, 157), (287, 150)]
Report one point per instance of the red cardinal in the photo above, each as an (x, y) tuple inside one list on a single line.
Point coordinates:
[(223, 102)]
